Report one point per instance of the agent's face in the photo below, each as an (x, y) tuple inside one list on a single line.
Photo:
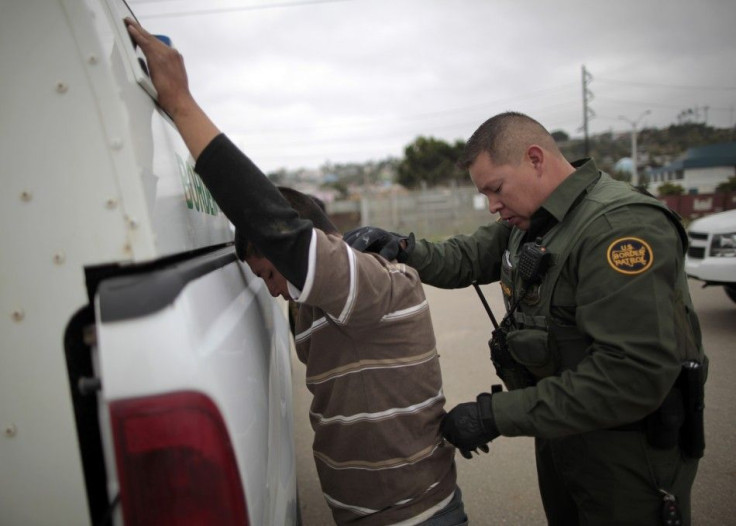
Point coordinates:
[(513, 191), (264, 269)]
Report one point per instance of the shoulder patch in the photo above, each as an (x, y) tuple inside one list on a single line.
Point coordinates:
[(630, 255)]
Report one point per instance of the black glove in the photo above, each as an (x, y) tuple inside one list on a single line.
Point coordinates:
[(470, 426), (241, 245), (387, 244)]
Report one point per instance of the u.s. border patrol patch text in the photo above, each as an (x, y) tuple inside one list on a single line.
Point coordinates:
[(630, 255)]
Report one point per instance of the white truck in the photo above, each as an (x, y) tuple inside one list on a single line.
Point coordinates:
[(145, 374), (711, 256)]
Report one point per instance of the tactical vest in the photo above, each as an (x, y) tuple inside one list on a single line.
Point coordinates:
[(534, 339)]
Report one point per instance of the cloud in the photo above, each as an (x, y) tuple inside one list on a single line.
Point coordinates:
[(356, 80)]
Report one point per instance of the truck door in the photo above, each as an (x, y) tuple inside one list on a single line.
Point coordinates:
[(193, 358)]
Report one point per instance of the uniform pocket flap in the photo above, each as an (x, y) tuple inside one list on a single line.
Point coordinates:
[(529, 348)]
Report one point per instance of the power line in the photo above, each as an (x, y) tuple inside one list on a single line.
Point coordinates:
[(653, 85), (218, 10), (408, 118), (399, 130), (655, 104), (639, 103), (141, 2)]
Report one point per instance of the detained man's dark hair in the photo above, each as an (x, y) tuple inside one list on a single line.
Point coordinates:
[(306, 206)]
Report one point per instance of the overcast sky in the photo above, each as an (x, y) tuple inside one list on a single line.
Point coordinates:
[(298, 83)]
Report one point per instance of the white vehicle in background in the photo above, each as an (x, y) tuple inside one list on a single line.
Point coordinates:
[(711, 256), (145, 373)]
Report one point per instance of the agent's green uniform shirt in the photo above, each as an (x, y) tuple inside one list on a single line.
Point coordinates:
[(628, 319), (619, 317)]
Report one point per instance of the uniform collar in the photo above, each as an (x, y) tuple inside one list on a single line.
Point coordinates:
[(565, 197)]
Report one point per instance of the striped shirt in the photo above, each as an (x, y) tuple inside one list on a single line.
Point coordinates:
[(365, 333)]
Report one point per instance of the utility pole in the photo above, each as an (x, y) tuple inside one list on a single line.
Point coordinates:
[(634, 161), (587, 111)]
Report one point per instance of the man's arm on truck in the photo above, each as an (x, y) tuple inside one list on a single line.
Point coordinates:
[(246, 196)]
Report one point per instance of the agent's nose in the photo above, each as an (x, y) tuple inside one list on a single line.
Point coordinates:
[(494, 205)]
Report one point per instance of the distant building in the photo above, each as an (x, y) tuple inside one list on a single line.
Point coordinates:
[(624, 165), (699, 171)]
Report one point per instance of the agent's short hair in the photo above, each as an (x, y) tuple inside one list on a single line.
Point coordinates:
[(307, 206), (505, 137)]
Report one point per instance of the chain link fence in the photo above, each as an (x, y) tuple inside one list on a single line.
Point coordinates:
[(434, 213)]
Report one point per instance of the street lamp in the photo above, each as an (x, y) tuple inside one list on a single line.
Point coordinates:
[(634, 162)]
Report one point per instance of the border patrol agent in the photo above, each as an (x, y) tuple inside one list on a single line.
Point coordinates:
[(600, 348)]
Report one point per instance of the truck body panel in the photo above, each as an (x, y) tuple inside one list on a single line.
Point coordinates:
[(98, 185)]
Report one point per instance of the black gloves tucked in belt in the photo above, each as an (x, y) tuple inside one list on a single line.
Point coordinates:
[(470, 426), (387, 244)]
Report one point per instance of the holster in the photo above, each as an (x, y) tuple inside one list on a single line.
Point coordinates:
[(679, 420), (663, 426), (511, 373), (692, 434)]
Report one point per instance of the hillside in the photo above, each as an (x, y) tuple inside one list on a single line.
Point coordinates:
[(656, 147), (431, 162)]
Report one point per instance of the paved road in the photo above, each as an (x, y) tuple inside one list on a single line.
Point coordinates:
[(501, 487)]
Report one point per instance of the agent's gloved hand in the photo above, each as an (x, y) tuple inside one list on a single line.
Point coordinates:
[(387, 244), (470, 426)]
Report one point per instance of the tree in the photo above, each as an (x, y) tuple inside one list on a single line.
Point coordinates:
[(430, 160), (727, 186), (670, 189), (560, 136)]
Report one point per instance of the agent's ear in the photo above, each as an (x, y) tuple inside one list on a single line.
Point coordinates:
[(535, 154)]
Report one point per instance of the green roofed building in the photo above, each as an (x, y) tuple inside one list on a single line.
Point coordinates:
[(699, 171)]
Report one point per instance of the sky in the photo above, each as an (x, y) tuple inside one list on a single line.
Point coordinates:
[(304, 83)]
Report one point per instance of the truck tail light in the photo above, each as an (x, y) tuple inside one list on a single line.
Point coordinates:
[(175, 462)]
